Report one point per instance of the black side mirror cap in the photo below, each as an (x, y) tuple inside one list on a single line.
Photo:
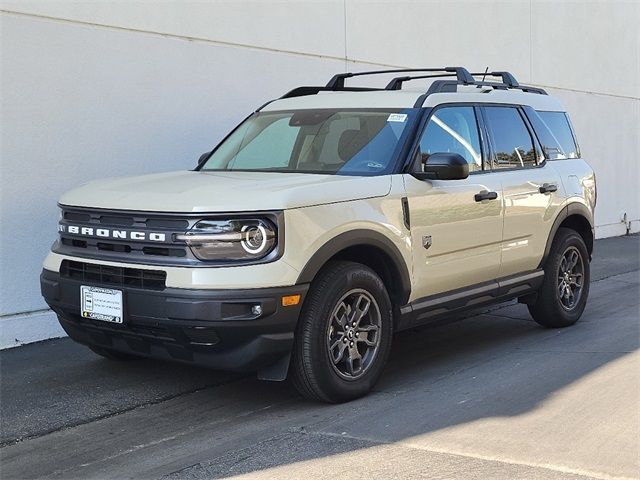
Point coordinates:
[(443, 166)]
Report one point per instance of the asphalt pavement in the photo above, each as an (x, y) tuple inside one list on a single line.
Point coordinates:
[(491, 395)]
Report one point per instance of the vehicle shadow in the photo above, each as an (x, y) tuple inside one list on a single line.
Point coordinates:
[(485, 368), (492, 365)]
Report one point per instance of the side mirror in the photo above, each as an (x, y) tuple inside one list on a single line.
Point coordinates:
[(203, 158), (443, 166)]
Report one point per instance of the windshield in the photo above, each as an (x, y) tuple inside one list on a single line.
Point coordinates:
[(343, 142)]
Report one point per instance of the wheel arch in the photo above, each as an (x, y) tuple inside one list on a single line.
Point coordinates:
[(575, 216), (370, 248)]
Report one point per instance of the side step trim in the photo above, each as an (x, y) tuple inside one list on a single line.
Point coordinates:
[(435, 307)]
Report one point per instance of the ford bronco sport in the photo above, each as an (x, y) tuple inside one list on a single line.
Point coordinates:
[(329, 219)]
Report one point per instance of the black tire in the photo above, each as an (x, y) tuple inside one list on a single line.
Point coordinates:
[(113, 354), (551, 308), (314, 373)]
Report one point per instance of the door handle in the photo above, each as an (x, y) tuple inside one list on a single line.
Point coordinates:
[(485, 195), (548, 188)]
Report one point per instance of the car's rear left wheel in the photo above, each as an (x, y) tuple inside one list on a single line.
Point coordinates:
[(564, 291)]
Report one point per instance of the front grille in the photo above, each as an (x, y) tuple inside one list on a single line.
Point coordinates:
[(106, 235), (127, 219), (115, 276)]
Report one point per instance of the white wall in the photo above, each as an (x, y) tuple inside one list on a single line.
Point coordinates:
[(94, 89)]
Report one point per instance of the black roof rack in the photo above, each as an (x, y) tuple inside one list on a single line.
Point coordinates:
[(506, 77), (337, 82), (461, 74), (396, 83), (303, 91), (508, 81)]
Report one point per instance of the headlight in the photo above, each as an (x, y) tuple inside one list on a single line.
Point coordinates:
[(229, 240)]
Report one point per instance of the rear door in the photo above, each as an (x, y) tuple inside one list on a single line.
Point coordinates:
[(456, 237), (531, 187)]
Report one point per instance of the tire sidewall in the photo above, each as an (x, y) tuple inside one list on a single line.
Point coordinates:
[(315, 321), (568, 239)]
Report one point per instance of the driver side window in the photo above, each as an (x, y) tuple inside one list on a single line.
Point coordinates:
[(453, 130)]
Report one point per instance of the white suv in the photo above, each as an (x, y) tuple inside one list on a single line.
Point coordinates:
[(328, 220)]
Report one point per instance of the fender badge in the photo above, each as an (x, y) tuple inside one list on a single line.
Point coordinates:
[(426, 241)]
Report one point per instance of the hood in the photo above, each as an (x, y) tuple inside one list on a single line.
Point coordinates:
[(188, 191)]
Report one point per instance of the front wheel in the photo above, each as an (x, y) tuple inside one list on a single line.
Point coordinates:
[(563, 295), (344, 334)]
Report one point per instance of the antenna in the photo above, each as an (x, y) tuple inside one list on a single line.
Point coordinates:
[(486, 70)]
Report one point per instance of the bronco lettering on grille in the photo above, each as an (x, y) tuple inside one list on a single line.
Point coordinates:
[(114, 234)]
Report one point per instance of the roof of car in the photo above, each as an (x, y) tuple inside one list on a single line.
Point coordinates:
[(408, 98), (465, 88)]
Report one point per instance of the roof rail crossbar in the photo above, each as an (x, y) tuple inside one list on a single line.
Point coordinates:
[(337, 82), (396, 83), (506, 77), (450, 86), (504, 86)]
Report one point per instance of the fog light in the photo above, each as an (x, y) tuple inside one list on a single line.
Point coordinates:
[(256, 309)]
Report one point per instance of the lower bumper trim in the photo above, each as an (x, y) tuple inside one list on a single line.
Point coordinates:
[(213, 328)]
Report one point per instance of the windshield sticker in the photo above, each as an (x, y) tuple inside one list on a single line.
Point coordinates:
[(397, 117)]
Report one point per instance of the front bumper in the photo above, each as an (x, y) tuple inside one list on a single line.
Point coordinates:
[(214, 328)]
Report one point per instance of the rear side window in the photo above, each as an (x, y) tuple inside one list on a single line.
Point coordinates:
[(512, 142), (558, 124)]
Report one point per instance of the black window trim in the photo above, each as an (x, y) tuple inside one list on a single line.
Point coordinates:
[(411, 162), (534, 139)]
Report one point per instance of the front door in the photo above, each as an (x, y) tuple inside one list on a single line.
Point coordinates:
[(456, 225)]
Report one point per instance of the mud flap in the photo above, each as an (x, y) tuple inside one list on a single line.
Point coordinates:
[(276, 372)]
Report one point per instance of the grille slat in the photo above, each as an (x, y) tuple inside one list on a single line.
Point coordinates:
[(116, 276)]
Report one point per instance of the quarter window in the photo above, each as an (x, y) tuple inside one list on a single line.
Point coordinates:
[(512, 142), (453, 130), (558, 124)]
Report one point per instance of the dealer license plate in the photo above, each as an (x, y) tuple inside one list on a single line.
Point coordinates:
[(100, 303)]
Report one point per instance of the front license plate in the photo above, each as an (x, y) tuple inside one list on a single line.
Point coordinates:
[(100, 303)]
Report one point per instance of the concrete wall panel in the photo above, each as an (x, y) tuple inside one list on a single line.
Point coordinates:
[(315, 27), (608, 133), (475, 34), (590, 46), (96, 89), (80, 103)]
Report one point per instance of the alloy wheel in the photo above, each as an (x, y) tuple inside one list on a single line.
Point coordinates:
[(353, 334), (570, 278)]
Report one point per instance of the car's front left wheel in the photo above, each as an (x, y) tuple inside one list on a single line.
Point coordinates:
[(344, 334)]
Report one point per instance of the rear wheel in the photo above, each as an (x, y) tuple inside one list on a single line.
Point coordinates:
[(113, 354), (344, 334), (563, 295)]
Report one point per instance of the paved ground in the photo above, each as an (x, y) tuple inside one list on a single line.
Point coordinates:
[(490, 396)]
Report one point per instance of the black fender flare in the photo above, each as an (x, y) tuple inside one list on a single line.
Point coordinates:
[(354, 238), (567, 211)]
